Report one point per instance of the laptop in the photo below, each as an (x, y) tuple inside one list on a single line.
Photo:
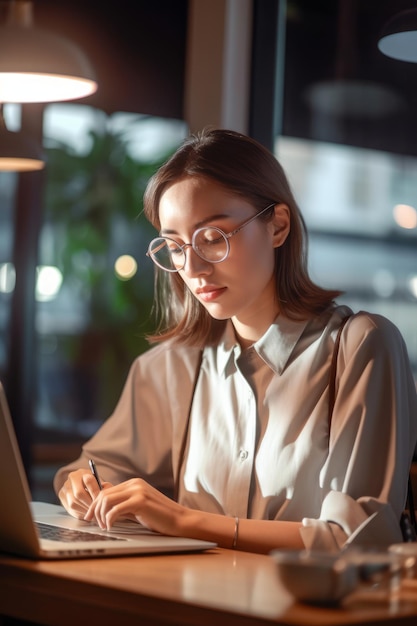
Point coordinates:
[(40, 530)]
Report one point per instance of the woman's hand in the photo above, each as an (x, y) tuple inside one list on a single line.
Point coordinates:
[(135, 498), (78, 491)]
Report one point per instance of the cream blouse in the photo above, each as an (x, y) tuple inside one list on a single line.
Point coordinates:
[(249, 436)]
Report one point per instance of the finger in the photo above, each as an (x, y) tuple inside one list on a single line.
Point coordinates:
[(91, 488), (117, 511), (77, 493), (105, 508), (82, 491), (70, 504), (127, 500), (93, 512), (101, 507)]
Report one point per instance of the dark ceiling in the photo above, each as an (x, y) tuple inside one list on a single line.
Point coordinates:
[(137, 48), (331, 40)]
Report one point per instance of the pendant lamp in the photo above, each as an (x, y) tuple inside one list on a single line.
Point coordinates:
[(345, 95), (398, 39), (37, 65), (18, 152)]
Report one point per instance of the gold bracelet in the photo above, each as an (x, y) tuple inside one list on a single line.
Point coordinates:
[(234, 544)]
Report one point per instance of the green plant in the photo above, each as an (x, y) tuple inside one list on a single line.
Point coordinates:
[(93, 214)]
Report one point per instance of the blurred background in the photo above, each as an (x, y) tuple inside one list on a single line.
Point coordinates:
[(305, 78)]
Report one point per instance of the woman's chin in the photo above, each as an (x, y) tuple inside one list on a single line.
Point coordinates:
[(216, 312)]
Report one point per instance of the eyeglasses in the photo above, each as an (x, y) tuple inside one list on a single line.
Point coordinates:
[(209, 242)]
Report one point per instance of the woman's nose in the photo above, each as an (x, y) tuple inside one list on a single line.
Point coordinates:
[(194, 264)]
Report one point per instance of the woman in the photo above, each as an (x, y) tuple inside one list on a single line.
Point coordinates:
[(230, 411)]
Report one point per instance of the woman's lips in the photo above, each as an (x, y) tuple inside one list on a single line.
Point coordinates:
[(208, 294)]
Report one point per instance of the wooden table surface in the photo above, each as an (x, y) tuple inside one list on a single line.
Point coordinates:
[(212, 588)]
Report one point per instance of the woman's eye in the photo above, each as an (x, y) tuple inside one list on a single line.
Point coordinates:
[(212, 237), (174, 250)]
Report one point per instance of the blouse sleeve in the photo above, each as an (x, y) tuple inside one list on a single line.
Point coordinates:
[(372, 439), (141, 437)]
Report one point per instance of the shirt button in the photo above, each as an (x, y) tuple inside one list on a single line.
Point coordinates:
[(243, 455)]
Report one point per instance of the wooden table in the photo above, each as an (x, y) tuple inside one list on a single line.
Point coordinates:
[(213, 588)]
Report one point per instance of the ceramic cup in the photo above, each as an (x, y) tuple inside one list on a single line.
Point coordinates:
[(315, 577)]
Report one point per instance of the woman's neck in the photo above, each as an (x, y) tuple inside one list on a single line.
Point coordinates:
[(248, 334)]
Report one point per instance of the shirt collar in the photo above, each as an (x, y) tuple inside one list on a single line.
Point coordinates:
[(277, 344), (274, 347), (227, 348)]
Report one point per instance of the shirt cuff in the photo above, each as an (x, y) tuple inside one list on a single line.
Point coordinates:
[(322, 536), (344, 521)]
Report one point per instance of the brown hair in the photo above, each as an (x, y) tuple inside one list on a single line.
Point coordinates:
[(245, 167)]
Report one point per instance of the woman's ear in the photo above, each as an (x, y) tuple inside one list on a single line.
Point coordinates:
[(280, 224)]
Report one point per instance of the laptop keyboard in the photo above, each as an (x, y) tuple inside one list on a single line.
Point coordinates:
[(56, 533)]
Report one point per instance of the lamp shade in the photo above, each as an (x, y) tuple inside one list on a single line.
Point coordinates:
[(398, 39), (354, 99), (37, 65), (19, 153)]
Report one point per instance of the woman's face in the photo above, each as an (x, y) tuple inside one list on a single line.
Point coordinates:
[(241, 287)]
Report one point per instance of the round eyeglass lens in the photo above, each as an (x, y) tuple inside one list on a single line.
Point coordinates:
[(167, 253), (211, 244)]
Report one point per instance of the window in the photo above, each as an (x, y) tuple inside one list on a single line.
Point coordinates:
[(94, 283), (346, 141)]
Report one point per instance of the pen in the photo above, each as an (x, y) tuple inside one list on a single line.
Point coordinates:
[(95, 473)]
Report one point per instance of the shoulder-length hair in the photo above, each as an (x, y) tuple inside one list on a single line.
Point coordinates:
[(246, 168)]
